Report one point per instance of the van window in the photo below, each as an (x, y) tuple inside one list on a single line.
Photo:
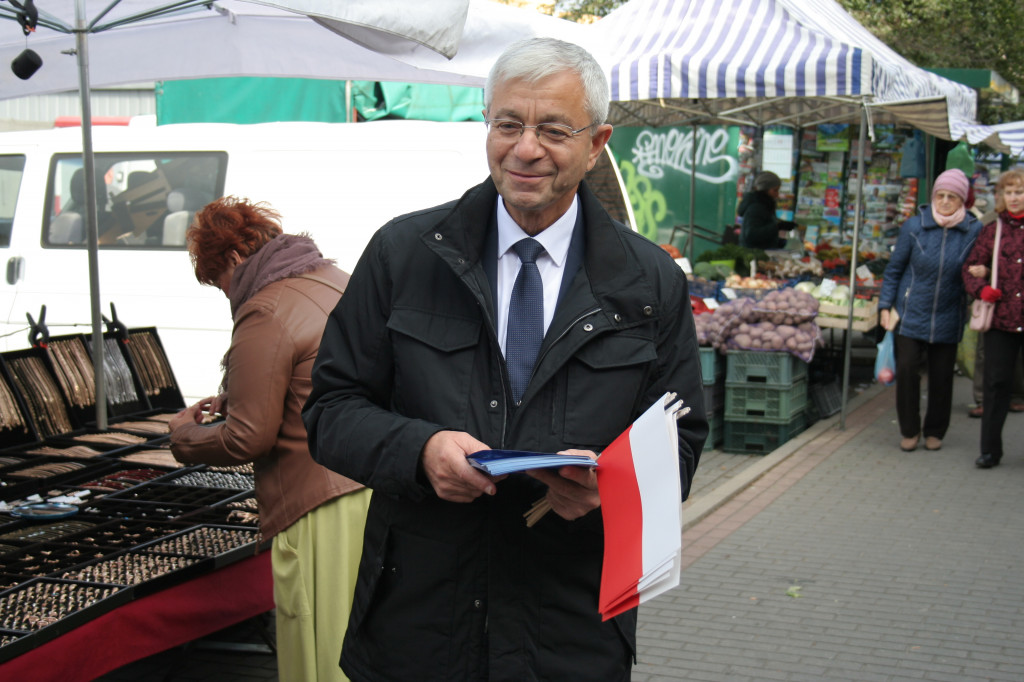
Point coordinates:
[(12, 167), (143, 200)]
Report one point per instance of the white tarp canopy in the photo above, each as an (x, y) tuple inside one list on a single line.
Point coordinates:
[(146, 40)]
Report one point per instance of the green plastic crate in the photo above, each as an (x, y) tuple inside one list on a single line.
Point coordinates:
[(712, 365), (714, 398), (759, 438), (762, 402), (769, 368), (716, 431)]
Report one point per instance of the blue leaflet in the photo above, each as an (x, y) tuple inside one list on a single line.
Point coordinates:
[(499, 462)]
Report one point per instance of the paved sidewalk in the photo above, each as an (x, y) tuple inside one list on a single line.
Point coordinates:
[(836, 557), (851, 560)]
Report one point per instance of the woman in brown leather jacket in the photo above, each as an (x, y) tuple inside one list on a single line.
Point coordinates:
[(281, 290)]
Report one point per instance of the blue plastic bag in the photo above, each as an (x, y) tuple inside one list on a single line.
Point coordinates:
[(885, 361)]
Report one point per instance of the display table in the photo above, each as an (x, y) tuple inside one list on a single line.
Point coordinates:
[(152, 624)]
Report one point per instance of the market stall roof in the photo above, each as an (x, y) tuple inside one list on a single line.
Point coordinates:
[(136, 41), (766, 62), (984, 80), (1005, 137)]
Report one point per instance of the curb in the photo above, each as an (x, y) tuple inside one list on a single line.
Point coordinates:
[(698, 508)]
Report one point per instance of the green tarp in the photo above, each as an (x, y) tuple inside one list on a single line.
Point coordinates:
[(262, 100)]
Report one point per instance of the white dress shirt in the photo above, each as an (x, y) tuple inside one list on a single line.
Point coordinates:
[(551, 264)]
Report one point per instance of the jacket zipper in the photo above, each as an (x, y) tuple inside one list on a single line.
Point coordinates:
[(938, 283)]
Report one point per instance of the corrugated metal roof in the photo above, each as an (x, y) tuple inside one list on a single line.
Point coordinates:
[(40, 111)]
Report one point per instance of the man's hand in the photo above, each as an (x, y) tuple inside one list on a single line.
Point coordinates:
[(572, 491), (452, 477)]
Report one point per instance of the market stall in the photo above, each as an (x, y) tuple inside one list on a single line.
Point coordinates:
[(104, 537)]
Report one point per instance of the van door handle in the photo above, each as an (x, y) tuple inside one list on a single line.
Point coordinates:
[(15, 269)]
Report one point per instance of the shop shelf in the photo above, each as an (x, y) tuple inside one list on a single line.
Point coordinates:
[(744, 401), (778, 369), (759, 438)]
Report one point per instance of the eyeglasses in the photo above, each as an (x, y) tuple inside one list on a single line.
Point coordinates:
[(546, 132)]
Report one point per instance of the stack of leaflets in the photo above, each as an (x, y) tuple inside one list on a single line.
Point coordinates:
[(500, 462)]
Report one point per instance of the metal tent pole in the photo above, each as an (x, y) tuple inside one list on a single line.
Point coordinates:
[(693, 192), (92, 220), (853, 262)]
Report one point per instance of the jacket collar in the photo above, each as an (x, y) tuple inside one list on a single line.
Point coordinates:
[(611, 277)]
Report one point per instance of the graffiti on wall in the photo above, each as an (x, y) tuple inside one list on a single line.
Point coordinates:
[(656, 167), (649, 205), (653, 152)]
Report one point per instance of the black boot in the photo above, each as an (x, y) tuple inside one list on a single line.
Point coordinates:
[(987, 461)]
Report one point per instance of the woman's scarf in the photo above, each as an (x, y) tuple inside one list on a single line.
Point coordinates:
[(284, 256), (950, 220), (287, 255)]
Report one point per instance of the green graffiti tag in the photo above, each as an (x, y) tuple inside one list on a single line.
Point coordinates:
[(649, 204)]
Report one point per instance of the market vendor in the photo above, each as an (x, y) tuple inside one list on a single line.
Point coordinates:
[(760, 227)]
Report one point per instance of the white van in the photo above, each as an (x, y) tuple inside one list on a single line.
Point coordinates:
[(338, 182)]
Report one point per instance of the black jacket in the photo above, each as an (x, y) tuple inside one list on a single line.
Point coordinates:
[(760, 226), (466, 591)]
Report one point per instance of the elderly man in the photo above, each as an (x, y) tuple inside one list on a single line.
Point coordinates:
[(519, 317)]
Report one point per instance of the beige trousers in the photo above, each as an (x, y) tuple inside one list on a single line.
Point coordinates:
[(314, 562)]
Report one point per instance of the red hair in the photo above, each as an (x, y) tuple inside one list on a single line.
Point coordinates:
[(225, 225)]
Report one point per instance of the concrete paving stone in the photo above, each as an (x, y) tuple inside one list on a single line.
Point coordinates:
[(939, 677), (759, 673)]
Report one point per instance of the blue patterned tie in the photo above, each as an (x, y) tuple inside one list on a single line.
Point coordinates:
[(525, 318)]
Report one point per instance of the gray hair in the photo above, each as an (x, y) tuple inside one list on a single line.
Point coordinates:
[(534, 59)]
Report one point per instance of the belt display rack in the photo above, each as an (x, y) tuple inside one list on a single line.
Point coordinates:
[(92, 519)]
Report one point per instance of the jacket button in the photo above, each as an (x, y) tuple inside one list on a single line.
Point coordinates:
[(648, 310), (617, 317), (477, 604), (588, 327), (437, 236), (494, 403)]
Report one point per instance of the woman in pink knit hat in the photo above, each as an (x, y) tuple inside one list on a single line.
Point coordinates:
[(923, 301)]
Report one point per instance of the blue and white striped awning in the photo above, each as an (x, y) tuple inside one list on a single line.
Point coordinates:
[(794, 62), (1004, 137)]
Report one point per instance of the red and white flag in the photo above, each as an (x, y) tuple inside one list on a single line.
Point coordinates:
[(641, 504)]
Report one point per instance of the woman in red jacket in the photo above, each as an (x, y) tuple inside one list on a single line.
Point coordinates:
[(1004, 341)]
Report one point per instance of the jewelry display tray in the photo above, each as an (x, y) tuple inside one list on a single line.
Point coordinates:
[(114, 528)]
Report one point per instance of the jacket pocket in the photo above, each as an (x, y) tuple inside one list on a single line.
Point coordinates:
[(434, 356), (604, 379), (405, 628)]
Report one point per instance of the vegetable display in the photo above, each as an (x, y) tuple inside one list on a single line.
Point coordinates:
[(782, 321)]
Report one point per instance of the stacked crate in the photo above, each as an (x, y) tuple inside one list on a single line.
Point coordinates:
[(712, 369), (765, 400)]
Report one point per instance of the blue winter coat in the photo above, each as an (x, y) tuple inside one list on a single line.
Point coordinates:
[(923, 281)]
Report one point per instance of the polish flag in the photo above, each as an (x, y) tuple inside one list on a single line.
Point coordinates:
[(641, 503)]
